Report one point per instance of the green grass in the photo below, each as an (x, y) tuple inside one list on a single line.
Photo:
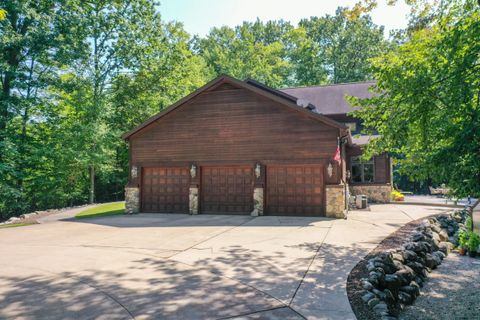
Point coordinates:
[(109, 209), (14, 225)]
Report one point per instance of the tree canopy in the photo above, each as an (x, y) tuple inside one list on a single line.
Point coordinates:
[(428, 108), (76, 74)]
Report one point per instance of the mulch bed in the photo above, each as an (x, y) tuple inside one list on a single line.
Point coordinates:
[(354, 285)]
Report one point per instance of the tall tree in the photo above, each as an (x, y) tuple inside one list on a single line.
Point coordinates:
[(252, 50), (335, 49), (35, 45), (428, 108)]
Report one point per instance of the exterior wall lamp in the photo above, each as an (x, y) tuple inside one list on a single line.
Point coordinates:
[(330, 170), (134, 172), (257, 170), (193, 171)]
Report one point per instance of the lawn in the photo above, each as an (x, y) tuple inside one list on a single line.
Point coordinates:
[(14, 225), (103, 210)]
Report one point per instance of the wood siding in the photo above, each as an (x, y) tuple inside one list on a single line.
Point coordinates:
[(234, 126)]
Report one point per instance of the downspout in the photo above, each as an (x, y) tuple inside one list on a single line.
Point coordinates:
[(345, 186)]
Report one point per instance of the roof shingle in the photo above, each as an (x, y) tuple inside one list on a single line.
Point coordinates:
[(330, 99)]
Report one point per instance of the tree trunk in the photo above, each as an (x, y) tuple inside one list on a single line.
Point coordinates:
[(92, 184)]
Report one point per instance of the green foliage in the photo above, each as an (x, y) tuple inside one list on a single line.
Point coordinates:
[(428, 108), (103, 210), (335, 49), (473, 242), (15, 225), (75, 75), (463, 238), (252, 50), (320, 50)]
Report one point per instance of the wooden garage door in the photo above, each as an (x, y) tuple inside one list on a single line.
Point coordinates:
[(165, 189), (295, 190), (227, 190)]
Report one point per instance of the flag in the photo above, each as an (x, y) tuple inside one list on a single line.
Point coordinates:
[(336, 156)]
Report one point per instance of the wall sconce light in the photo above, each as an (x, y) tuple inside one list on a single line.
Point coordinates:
[(193, 171), (330, 170), (134, 172), (257, 170)]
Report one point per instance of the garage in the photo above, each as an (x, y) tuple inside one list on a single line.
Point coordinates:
[(227, 190), (237, 147), (295, 190), (165, 189)]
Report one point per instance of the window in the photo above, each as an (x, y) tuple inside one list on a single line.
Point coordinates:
[(362, 171)]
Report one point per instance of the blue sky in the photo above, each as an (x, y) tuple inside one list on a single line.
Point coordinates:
[(199, 16)]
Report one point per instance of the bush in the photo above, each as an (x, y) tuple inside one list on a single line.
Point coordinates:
[(473, 242), (463, 237)]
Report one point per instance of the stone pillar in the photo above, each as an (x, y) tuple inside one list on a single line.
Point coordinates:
[(257, 202), (132, 200), (193, 200), (335, 197)]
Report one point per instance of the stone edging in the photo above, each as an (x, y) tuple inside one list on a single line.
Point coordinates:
[(39, 214), (391, 276)]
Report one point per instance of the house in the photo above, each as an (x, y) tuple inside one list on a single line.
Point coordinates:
[(240, 147)]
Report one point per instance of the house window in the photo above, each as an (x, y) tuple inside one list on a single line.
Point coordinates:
[(362, 171), (352, 126)]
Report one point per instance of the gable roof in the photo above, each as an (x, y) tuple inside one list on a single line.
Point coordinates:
[(251, 85), (330, 99)]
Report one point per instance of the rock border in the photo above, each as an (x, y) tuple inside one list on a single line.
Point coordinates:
[(391, 275), (33, 216)]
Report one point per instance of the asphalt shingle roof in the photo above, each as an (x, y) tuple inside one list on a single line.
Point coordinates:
[(330, 99)]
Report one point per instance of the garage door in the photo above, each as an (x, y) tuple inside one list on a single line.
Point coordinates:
[(227, 190), (165, 189), (295, 190)]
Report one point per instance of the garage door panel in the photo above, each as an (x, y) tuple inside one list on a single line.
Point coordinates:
[(295, 190), (226, 190), (165, 190)]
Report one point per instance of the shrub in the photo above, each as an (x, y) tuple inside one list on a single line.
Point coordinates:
[(463, 237), (473, 242)]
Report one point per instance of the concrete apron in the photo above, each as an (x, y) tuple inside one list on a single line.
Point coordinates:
[(190, 267)]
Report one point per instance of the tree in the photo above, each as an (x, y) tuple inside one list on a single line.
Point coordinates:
[(334, 49), (428, 108), (35, 45), (252, 50)]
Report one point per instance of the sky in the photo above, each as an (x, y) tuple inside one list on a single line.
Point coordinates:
[(199, 16)]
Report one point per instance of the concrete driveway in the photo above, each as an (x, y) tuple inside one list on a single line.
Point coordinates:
[(189, 267)]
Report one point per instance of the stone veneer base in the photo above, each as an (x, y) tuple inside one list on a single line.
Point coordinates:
[(193, 200), (335, 198), (375, 193), (132, 200)]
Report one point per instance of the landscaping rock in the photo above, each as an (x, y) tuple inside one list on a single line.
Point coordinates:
[(405, 298), (409, 255), (368, 296), (444, 247), (367, 285), (373, 302), (411, 290), (380, 307), (395, 277), (392, 281), (432, 261)]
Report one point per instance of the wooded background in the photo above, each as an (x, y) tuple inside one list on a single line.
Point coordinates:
[(77, 74)]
